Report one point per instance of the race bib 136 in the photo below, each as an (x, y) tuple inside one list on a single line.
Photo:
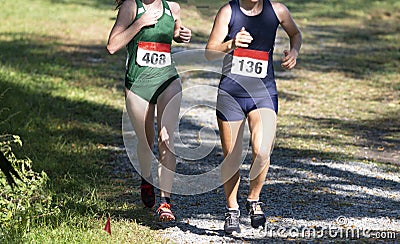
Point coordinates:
[(153, 54), (251, 63)]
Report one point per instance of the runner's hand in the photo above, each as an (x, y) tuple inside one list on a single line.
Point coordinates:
[(185, 34), (242, 39), (289, 61), (150, 17)]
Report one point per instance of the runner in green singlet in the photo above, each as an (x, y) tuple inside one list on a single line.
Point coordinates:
[(147, 28)]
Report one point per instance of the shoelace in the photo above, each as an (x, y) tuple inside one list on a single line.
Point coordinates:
[(164, 205), (256, 207), (232, 219)]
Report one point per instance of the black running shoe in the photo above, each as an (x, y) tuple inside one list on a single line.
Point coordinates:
[(257, 216), (232, 222)]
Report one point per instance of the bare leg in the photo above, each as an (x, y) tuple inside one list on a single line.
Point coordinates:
[(141, 114), (168, 106), (262, 124), (231, 134)]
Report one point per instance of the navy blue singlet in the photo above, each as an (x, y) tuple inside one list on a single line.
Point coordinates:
[(262, 28)]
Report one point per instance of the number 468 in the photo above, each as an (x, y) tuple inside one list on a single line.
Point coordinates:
[(154, 58)]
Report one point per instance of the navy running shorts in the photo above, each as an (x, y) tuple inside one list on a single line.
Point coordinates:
[(230, 108)]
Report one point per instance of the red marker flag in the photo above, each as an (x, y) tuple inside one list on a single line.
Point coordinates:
[(108, 226)]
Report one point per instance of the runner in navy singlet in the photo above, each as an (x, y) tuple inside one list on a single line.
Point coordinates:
[(246, 31)]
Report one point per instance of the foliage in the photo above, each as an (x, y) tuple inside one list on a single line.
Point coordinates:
[(27, 202)]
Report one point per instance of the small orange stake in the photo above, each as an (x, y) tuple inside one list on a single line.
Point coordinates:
[(108, 226)]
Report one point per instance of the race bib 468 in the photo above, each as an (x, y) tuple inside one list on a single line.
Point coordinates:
[(153, 54), (251, 63)]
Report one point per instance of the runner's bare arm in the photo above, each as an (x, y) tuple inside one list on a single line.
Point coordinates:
[(125, 28), (290, 27), (216, 44), (181, 33)]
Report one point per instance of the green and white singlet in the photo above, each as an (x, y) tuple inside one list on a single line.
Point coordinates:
[(149, 68)]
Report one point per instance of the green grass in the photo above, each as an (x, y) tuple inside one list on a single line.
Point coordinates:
[(64, 93), (343, 100)]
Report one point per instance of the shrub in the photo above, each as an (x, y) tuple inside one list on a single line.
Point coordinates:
[(26, 203)]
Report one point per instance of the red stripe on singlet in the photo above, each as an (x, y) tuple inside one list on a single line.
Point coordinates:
[(155, 46), (248, 53)]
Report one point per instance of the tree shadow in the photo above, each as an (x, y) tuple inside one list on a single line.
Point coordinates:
[(356, 52), (66, 138), (297, 187), (100, 4), (375, 137), (291, 193)]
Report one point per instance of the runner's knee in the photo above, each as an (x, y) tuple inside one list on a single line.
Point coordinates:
[(262, 155), (165, 140)]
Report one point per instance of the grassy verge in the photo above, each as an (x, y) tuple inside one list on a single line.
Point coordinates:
[(64, 100), (345, 99), (65, 94)]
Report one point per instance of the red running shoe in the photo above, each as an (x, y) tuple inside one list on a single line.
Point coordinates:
[(165, 213)]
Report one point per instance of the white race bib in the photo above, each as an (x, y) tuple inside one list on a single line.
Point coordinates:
[(251, 63), (153, 54)]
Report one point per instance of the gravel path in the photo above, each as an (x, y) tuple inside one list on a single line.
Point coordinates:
[(305, 200)]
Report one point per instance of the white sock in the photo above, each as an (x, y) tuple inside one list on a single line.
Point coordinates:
[(253, 200)]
